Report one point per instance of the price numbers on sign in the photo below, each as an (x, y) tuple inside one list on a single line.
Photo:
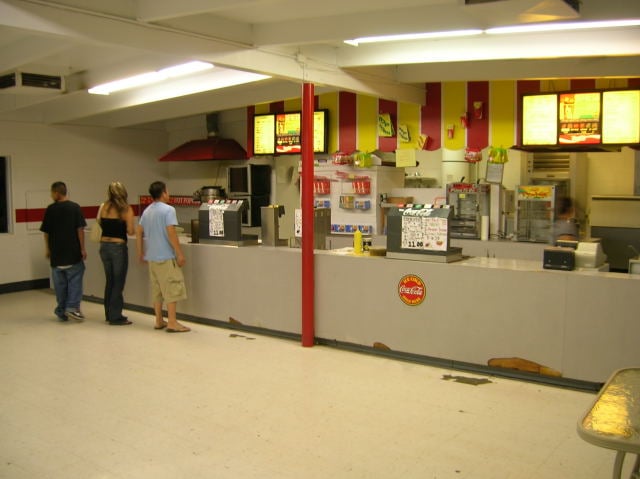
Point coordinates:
[(216, 220), (422, 231)]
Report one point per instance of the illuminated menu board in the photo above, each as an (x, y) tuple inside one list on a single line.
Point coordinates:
[(567, 119), (621, 116), (539, 125), (288, 133), (579, 117), (280, 133), (263, 137)]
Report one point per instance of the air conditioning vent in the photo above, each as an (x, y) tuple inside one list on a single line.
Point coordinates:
[(22, 82), (548, 165)]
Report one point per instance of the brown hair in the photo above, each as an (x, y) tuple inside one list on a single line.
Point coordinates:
[(117, 197)]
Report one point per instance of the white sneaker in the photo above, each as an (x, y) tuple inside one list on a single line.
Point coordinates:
[(75, 315)]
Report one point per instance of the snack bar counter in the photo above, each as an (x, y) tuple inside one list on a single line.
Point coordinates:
[(579, 325)]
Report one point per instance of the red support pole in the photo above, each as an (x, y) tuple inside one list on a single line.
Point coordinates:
[(308, 277)]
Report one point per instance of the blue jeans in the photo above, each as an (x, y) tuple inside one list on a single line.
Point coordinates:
[(67, 284), (115, 260)]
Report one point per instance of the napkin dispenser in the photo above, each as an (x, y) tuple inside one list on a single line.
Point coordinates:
[(558, 257)]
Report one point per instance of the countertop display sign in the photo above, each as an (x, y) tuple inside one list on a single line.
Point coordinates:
[(424, 229), (411, 290), (216, 219)]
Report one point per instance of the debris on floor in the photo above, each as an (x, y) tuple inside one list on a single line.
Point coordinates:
[(465, 380), (234, 335)]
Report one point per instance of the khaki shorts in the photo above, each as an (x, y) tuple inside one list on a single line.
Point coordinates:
[(167, 281)]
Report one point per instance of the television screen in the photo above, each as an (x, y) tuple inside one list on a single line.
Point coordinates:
[(539, 119), (263, 134), (621, 116), (579, 117), (280, 133), (288, 132)]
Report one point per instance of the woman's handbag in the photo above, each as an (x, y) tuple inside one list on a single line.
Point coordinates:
[(96, 229)]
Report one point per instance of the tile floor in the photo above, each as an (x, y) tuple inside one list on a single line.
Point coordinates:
[(87, 400)]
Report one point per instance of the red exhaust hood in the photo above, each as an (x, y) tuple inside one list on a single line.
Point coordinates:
[(212, 148)]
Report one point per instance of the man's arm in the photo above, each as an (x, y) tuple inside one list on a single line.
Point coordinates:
[(81, 239), (47, 251), (175, 244), (140, 243)]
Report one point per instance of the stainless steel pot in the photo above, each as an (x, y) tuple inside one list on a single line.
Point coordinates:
[(207, 193)]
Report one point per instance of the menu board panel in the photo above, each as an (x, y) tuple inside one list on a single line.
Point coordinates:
[(280, 133), (621, 116), (539, 119), (263, 134), (579, 116), (288, 132)]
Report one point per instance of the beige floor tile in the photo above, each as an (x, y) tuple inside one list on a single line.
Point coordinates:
[(87, 400)]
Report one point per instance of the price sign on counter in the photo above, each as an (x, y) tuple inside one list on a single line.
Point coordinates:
[(424, 231), (216, 220)]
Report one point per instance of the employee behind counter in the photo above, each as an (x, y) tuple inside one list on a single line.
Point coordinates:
[(565, 226)]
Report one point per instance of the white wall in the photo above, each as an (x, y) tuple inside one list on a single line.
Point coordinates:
[(86, 159)]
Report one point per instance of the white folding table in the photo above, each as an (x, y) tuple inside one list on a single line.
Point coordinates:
[(613, 420)]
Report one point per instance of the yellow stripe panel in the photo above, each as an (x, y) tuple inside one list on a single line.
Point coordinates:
[(293, 104), (454, 99), (604, 83), (329, 101), (557, 84), (409, 115), (502, 113), (367, 123), (262, 108)]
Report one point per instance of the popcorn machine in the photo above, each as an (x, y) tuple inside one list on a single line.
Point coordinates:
[(470, 203), (535, 212)]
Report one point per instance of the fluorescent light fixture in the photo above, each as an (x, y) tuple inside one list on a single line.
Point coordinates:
[(413, 36), (538, 27), (150, 77), (554, 27)]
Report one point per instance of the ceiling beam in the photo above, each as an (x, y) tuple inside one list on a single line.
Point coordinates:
[(157, 10), (586, 67), (300, 69)]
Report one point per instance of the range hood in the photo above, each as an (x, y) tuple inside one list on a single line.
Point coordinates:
[(212, 148)]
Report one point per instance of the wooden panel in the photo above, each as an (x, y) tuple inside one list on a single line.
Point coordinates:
[(276, 107), (262, 108), (348, 121), (454, 104), (431, 114), (582, 84), (367, 114), (391, 107), (409, 115), (251, 110), (478, 131), (329, 101), (293, 104), (502, 105)]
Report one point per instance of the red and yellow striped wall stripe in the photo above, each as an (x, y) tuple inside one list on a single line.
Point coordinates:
[(353, 117)]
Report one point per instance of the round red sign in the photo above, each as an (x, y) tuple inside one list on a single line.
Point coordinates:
[(411, 290)]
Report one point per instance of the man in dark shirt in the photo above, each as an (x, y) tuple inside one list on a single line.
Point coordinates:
[(63, 228)]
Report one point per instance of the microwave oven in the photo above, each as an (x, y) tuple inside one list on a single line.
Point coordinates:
[(249, 180)]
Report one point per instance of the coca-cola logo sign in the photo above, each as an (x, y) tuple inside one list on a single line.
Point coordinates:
[(411, 290)]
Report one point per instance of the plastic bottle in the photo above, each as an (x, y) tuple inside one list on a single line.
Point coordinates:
[(357, 242)]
